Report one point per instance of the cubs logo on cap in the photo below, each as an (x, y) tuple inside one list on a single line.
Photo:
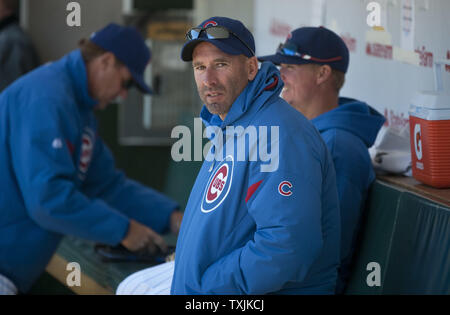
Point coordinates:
[(218, 185), (210, 23), (240, 40)]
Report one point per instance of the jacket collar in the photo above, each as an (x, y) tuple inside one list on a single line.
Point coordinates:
[(78, 73), (266, 84)]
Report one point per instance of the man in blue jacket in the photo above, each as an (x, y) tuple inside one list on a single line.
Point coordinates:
[(58, 177), (254, 225), (313, 62)]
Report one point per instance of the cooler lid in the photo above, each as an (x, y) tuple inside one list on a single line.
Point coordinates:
[(431, 100), (429, 114)]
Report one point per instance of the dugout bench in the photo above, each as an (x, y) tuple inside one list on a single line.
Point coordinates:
[(405, 230)]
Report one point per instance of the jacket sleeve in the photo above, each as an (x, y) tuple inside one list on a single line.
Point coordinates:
[(131, 198), (350, 203), (352, 177), (46, 175), (287, 240)]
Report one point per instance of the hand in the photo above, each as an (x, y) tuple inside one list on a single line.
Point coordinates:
[(175, 221), (141, 238)]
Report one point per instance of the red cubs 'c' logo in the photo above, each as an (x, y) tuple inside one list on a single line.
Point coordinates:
[(87, 148), (209, 23), (217, 184), (86, 153), (283, 190)]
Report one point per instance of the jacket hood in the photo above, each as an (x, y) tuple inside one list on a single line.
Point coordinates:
[(352, 116), (78, 74), (266, 84)]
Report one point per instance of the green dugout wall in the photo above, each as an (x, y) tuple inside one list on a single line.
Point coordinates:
[(409, 237)]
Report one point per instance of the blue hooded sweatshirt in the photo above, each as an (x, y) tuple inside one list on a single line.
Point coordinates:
[(349, 130), (248, 229), (58, 177)]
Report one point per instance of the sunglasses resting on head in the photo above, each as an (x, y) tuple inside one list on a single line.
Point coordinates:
[(290, 49), (214, 32)]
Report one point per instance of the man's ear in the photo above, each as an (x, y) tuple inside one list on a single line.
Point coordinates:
[(107, 59), (252, 67), (323, 74)]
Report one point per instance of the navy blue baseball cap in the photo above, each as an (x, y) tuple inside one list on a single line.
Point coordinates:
[(129, 47), (317, 45), (240, 40)]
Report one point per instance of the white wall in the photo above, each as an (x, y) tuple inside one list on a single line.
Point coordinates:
[(388, 85), (274, 22)]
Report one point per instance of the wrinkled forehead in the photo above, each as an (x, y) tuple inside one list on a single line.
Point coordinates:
[(207, 52), (205, 49)]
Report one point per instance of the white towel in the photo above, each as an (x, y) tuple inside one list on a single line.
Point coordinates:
[(392, 151)]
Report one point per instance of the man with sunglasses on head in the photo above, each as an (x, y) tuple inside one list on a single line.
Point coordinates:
[(58, 177), (313, 63), (248, 229)]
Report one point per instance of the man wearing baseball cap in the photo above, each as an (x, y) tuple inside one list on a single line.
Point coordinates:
[(58, 177), (313, 63), (250, 228)]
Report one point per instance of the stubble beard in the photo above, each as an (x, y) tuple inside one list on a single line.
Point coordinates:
[(214, 108)]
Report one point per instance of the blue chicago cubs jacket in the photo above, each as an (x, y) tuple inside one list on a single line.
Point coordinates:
[(254, 230), (57, 176), (349, 130)]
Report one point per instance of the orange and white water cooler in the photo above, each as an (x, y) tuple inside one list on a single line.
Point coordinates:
[(429, 119)]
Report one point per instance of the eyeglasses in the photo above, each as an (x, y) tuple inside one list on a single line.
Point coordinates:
[(128, 84), (290, 49), (214, 32)]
